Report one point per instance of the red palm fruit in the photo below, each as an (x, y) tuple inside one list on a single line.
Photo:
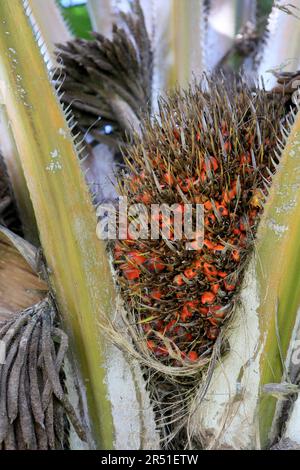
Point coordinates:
[(186, 185), (222, 274), (136, 258), (198, 263), (209, 244), (159, 163), (118, 251), (209, 269), (188, 309), (245, 159), (151, 345), (170, 325), (185, 314), (155, 264), (193, 356), (208, 205), (233, 191), (146, 198), (156, 294), (229, 287), (212, 164), (134, 183), (212, 332), (178, 280), (176, 134), (235, 255), (204, 310), (208, 298), (215, 288), (222, 209), (190, 273), (198, 199), (203, 176), (210, 219), (129, 272), (180, 295), (218, 311), (225, 197), (219, 247), (227, 146), (169, 179), (224, 129), (242, 226), (213, 321)]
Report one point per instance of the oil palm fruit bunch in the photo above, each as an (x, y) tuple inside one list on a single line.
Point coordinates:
[(212, 146), (108, 82)]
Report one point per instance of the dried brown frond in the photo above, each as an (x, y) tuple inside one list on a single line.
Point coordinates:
[(33, 401), (109, 82)]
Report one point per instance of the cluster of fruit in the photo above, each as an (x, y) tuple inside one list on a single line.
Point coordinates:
[(199, 153)]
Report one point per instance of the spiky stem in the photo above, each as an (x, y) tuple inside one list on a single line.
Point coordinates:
[(50, 23)]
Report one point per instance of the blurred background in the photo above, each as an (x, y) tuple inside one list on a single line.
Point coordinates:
[(76, 12)]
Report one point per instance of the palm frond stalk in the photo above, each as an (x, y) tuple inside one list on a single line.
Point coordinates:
[(187, 40), (50, 24), (281, 54), (101, 15)]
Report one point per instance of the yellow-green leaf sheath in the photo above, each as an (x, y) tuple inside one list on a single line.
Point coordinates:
[(79, 271), (278, 263)]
